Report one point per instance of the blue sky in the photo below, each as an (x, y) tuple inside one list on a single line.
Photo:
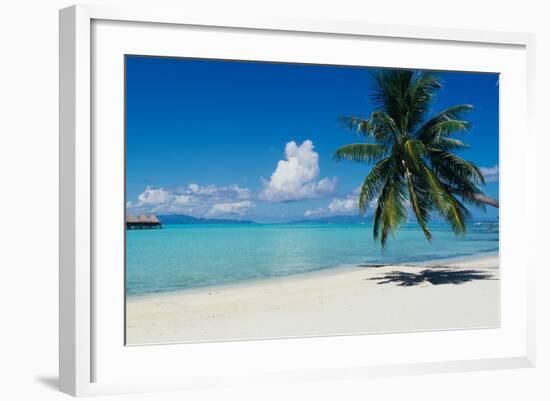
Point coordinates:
[(253, 140)]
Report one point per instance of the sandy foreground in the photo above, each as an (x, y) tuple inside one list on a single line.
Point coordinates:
[(431, 296)]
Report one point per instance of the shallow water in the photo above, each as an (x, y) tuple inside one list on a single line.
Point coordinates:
[(190, 256)]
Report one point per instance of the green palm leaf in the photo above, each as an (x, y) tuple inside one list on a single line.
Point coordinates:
[(360, 152), (373, 182), (447, 121), (447, 144), (453, 167), (445, 203), (379, 126), (419, 205), (414, 152), (390, 209)]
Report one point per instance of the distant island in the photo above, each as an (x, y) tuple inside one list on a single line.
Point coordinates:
[(337, 219), (185, 219)]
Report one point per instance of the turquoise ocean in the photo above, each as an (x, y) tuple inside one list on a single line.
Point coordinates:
[(189, 256)]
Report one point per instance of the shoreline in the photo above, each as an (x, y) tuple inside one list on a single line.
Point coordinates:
[(433, 295), (319, 272)]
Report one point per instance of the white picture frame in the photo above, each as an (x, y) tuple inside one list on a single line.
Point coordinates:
[(79, 347)]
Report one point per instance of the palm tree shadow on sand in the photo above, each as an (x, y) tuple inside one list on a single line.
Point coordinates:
[(432, 276)]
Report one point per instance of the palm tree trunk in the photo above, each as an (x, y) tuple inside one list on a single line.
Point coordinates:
[(482, 199)]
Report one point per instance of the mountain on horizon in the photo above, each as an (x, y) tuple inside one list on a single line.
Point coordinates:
[(185, 219)]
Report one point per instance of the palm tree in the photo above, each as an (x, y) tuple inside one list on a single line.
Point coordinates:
[(413, 156)]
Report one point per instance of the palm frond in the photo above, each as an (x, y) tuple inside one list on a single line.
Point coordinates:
[(471, 197), (447, 144), (373, 182), (457, 215), (445, 203), (454, 168), (360, 152), (446, 122), (379, 126), (414, 152), (354, 123), (442, 130), (420, 206), (388, 94), (420, 95), (390, 210)]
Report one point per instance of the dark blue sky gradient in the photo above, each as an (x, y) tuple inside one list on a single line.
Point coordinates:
[(227, 122)]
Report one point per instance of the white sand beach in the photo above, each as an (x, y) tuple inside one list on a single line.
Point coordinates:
[(431, 296)]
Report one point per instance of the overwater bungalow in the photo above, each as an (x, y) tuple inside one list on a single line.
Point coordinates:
[(142, 222)]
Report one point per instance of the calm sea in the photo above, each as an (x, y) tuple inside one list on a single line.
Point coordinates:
[(191, 256)]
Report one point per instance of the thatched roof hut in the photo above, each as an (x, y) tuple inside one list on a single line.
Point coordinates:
[(142, 222), (130, 218)]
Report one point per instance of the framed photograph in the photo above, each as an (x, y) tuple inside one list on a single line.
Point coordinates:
[(271, 200)]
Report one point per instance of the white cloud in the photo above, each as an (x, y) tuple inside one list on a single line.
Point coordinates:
[(337, 207), (231, 209), (152, 196), (232, 191), (296, 177), (348, 205), (183, 200), (490, 173), (194, 200), (315, 212)]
